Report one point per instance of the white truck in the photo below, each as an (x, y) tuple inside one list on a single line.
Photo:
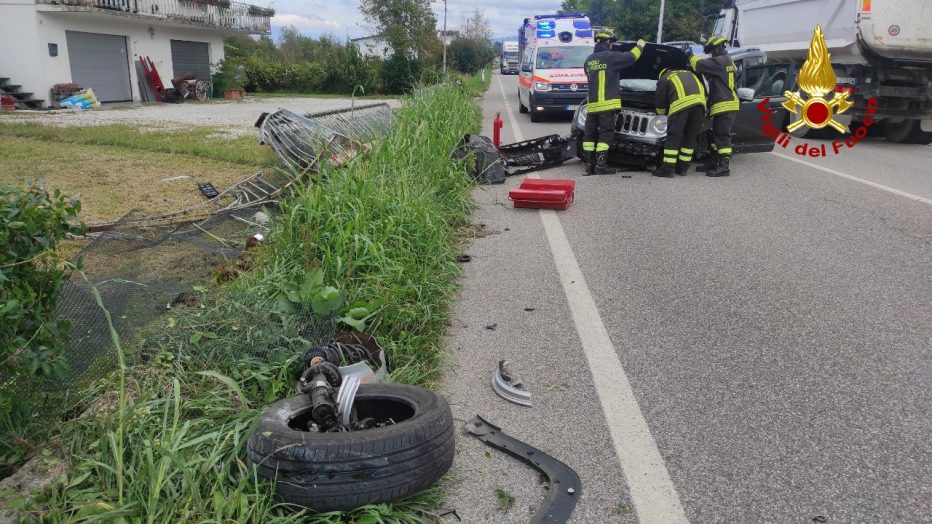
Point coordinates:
[(511, 58), (880, 49)]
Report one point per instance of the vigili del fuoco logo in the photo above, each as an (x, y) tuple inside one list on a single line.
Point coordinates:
[(817, 111)]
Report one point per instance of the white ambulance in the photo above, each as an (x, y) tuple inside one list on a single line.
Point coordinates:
[(554, 49)]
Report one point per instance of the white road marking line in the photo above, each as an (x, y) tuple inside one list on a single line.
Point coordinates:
[(856, 179), (652, 492)]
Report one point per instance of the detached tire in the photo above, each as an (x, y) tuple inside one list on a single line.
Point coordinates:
[(343, 471)]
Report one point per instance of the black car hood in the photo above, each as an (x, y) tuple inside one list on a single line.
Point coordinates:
[(654, 58)]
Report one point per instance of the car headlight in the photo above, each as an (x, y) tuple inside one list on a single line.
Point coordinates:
[(658, 125), (541, 86), (581, 117)]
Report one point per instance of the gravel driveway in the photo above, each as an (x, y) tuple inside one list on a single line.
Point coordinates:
[(234, 118)]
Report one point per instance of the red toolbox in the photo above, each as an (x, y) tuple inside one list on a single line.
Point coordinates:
[(541, 198), (549, 183), (544, 193)]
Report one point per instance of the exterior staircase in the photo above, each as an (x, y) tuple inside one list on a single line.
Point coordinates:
[(22, 99)]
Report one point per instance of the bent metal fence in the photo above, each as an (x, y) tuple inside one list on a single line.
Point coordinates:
[(302, 142)]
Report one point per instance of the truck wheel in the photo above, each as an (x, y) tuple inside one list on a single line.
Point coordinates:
[(521, 108), (346, 470), (905, 132)]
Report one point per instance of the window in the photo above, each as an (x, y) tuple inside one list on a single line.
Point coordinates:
[(526, 63), (765, 80), (562, 57)]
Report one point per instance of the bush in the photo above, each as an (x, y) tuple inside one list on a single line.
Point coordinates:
[(469, 56), (31, 277), (399, 74)]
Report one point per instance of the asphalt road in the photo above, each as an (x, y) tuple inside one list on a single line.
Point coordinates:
[(747, 349)]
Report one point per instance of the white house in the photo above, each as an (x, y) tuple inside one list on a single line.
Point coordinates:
[(98, 43), (372, 46)]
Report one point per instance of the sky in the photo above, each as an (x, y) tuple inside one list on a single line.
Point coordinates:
[(320, 17)]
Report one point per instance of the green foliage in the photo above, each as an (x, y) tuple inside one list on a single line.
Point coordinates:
[(633, 19), (407, 25), (31, 277), (400, 74), (469, 55)]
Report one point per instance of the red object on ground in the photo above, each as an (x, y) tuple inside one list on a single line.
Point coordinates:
[(497, 126), (7, 102), (541, 198), (152, 75), (549, 183)]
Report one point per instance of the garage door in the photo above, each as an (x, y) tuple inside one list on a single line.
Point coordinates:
[(190, 58), (100, 62)]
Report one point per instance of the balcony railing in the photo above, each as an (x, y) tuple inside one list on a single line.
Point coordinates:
[(208, 13)]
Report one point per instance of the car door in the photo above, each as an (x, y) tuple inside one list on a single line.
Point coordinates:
[(526, 77), (769, 81)]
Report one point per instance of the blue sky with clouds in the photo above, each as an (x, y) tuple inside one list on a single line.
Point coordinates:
[(320, 17)]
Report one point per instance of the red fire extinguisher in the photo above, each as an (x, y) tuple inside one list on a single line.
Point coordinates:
[(497, 126)]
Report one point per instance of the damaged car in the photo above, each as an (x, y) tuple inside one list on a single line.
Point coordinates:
[(640, 132)]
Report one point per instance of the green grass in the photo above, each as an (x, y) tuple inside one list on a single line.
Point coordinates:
[(201, 142), (165, 441)]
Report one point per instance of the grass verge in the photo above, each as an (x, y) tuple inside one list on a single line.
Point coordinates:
[(200, 142), (165, 442), (114, 180)]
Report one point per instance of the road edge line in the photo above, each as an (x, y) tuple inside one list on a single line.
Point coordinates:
[(856, 179), (653, 494)]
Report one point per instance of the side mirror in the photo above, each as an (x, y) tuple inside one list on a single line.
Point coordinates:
[(526, 68), (745, 94)]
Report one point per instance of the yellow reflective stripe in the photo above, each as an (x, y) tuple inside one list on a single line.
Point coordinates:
[(693, 60), (600, 147), (731, 80), (601, 85), (588, 146), (686, 150), (724, 151), (689, 101), (607, 105), (724, 107), (678, 84), (669, 160), (686, 158), (699, 85), (673, 152), (661, 111), (636, 52)]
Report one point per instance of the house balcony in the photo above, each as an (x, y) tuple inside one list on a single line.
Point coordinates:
[(217, 14)]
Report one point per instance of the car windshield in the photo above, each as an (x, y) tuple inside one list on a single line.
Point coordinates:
[(562, 57), (638, 84), (511, 56)]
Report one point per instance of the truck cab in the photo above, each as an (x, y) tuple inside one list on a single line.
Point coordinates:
[(510, 61), (552, 78)]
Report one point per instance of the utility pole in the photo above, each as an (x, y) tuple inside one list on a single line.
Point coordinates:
[(660, 23), (444, 37)]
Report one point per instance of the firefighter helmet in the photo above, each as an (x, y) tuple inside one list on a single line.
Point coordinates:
[(713, 42), (605, 35)]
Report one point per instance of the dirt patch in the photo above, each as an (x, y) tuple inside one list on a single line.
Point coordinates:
[(112, 181)]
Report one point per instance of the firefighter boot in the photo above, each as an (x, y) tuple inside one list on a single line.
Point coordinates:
[(589, 161), (722, 167), (664, 170), (682, 168), (601, 164), (709, 163)]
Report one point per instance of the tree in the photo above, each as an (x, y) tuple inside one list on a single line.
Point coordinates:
[(634, 19), (408, 26), (477, 27)]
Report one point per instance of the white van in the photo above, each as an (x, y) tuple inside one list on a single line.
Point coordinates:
[(552, 78)]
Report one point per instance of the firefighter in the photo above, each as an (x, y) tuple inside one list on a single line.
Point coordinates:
[(680, 96), (719, 72), (603, 67)]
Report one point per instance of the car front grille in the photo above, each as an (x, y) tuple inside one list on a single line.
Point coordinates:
[(568, 88), (632, 123)]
